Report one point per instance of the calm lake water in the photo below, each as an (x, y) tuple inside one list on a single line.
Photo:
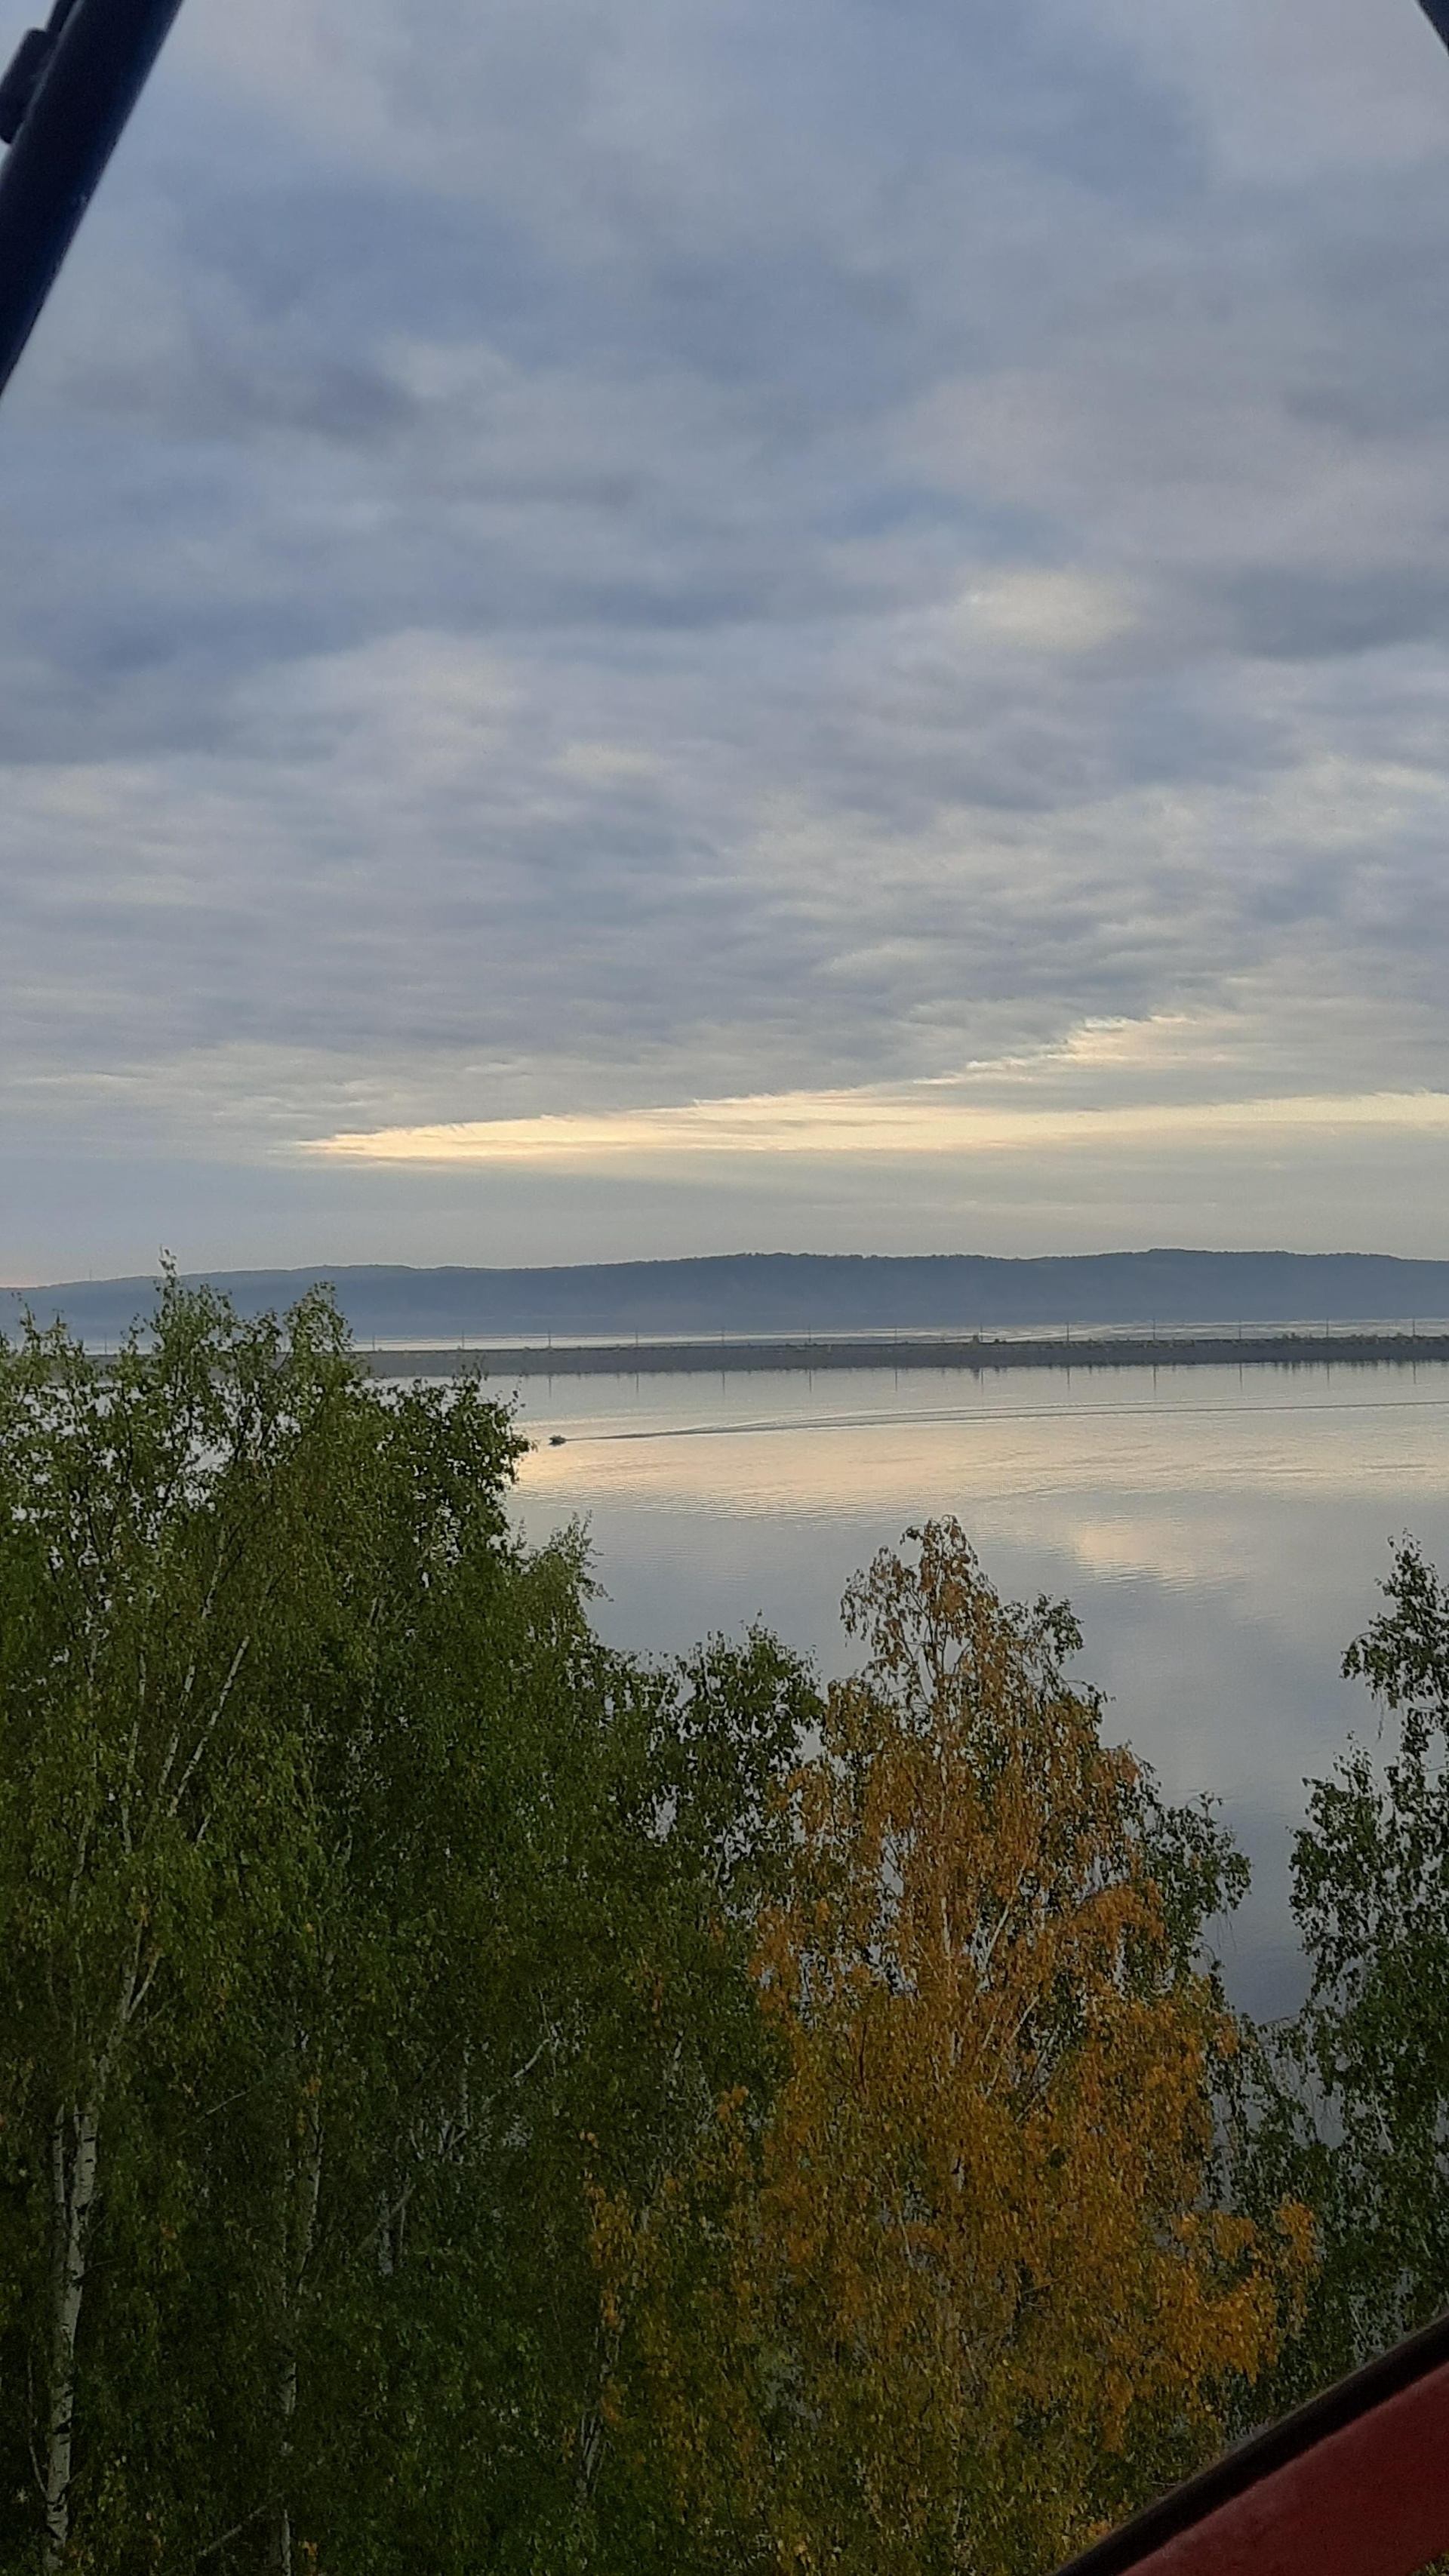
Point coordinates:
[(1221, 1533)]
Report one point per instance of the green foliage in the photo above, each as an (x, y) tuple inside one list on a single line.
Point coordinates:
[(362, 1917), (472, 2100), (1349, 2103)]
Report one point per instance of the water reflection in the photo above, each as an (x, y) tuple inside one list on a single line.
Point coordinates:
[(1220, 1532)]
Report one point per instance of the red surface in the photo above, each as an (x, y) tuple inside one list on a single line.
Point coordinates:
[(1369, 2500)]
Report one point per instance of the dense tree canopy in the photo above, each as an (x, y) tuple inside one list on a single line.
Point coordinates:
[(361, 1915), (473, 2100)]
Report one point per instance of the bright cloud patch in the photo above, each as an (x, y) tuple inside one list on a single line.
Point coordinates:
[(919, 1121), (1051, 612)]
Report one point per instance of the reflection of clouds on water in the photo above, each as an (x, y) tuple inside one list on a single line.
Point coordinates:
[(1230, 1425), (1221, 1539)]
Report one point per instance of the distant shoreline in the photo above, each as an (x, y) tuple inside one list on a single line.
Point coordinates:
[(974, 1353), (768, 1300)]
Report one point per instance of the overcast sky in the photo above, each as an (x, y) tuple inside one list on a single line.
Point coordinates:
[(677, 625)]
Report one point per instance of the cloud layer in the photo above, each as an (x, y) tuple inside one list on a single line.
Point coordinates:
[(569, 560)]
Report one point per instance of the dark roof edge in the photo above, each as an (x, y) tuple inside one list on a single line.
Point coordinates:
[(1253, 2462)]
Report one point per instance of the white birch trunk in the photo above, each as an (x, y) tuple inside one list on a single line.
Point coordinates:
[(74, 2151), (75, 2158), (302, 2216)]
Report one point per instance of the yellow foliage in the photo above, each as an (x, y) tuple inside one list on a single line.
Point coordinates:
[(967, 2258)]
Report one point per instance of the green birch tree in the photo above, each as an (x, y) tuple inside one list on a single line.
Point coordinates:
[(1349, 2102), (364, 1920)]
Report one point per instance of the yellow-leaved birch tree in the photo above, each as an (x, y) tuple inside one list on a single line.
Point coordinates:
[(958, 2292)]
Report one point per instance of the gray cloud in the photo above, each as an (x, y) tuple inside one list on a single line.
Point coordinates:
[(586, 554)]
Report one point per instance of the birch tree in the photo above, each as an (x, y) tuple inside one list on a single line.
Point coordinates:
[(129, 1609), (957, 2289), (607, 1846), (193, 1596), (1350, 2103), (365, 1921)]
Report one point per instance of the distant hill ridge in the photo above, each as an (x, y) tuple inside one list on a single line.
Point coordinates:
[(785, 1292)]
